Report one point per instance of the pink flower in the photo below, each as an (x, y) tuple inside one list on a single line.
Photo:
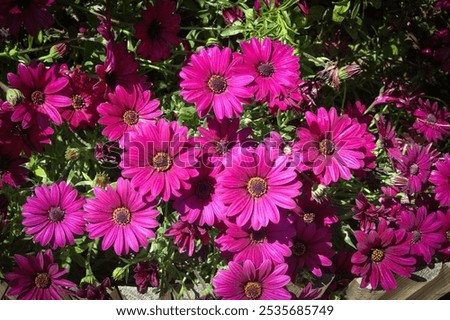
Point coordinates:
[(121, 217), (146, 275), (441, 178), (331, 145), (431, 121), (158, 30), (310, 211), (211, 82), (105, 27), (45, 92), (248, 281), (11, 170), (273, 66), (38, 278), (288, 98), (230, 15), (255, 187), (381, 253), (444, 220), (54, 215), (159, 160), (184, 235), (367, 214), (127, 112)]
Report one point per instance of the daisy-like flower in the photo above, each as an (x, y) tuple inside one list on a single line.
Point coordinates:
[(160, 160), (92, 292), (127, 111), (82, 112), (444, 219), (441, 178), (211, 82), (33, 14), (220, 137), (11, 170), (248, 281), (273, 66), (381, 253), (146, 275), (415, 167), (44, 91), (38, 278), (311, 211), (331, 145), (158, 30), (367, 214), (431, 121), (201, 204), (119, 68), (255, 187), (184, 235), (425, 231), (121, 217), (289, 98), (311, 248), (54, 215), (269, 243)]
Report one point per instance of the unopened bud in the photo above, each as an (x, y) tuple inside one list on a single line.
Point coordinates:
[(14, 96), (71, 154), (59, 50), (101, 179), (349, 71)]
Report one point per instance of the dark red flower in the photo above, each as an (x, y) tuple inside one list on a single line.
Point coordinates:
[(146, 275)]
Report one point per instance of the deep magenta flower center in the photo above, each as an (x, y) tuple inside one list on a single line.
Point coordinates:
[(377, 255), (38, 97), (414, 169), (309, 217), (217, 84), (298, 249), (253, 290), (42, 280), (257, 187), (417, 236), (258, 236), (56, 214), (162, 162), (203, 189), (326, 147), (78, 102), (122, 216), (130, 117), (154, 29), (431, 118), (265, 69)]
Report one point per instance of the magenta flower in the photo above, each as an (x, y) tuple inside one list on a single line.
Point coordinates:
[(121, 217), (211, 82), (398, 94), (44, 91), (54, 215), (146, 275), (308, 293), (356, 111), (201, 204), (311, 248), (230, 15), (105, 26), (127, 111), (367, 214), (158, 30), (119, 68), (92, 292), (441, 178), (268, 243), (331, 145), (33, 14), (425, 231), (159, 160), (267, 3), (11, 170), (381, 253), (310, 211), (255, 187), (288, 98), (444, 219), (184, 235), (38, 278), (388, 137), (248, 281), (432, 121), (272, 64)]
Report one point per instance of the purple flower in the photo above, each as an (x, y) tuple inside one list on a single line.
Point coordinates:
[(444, 219), (146, 275), (367, 214), (441, 178), (230, 15), (91, 292), (11, 170), (322, 213), (431, 121), (184, 235)]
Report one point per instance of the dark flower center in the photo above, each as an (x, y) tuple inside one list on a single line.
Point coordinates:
[(265, 69), (326, 147), (309, 217), (78, 102), (56, 214), (122, 216), (447, 234), (217, 84), (377, 255), (431, 118), (253, 290), (258, 236), (17, 130), (257, 187), (162, 161), (298, 249), (413, 169), (130, 117), (222, 147), (203, 189), (110, 79), (416, 236), (38, 97), (42, 280), (154, 29)]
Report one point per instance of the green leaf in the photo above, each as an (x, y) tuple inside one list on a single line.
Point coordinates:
[(340, 9), (40, 172), (232, 30)]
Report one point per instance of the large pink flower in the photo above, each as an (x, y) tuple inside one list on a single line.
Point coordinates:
[(159, 160), (441, 178), (432, 121), (44, 90), (331, 145), (158, 30), (256, 187), (211, 82)]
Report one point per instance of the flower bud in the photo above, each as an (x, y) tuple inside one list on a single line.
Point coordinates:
[(14, 96)]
